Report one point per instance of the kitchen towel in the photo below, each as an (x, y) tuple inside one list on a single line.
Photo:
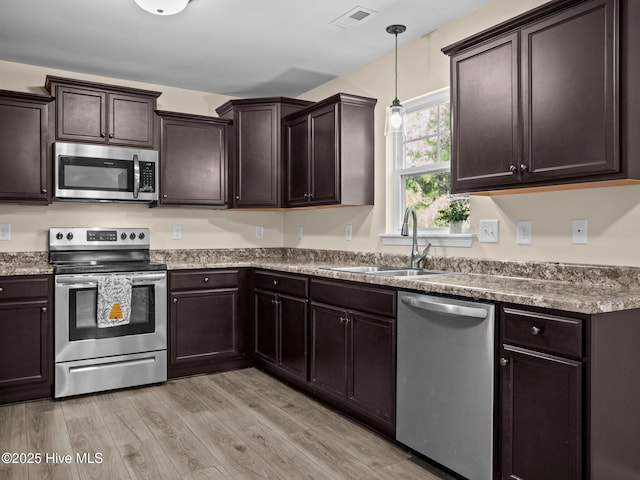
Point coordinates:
[(114, 300)]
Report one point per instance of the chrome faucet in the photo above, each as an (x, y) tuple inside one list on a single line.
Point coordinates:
[(416, 255)]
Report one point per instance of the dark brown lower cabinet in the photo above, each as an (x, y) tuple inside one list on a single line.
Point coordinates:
[(541, 416), (26, 338), (569, 395), (281, 324), (352, 353), (206, 333)]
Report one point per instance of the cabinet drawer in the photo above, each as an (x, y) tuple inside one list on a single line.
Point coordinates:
[(23, 287), (203, 279), (365, 299), (542, 331), (275, 282)]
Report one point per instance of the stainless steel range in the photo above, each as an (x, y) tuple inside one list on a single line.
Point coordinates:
[(125, 344)]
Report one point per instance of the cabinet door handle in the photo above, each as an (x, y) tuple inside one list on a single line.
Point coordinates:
[(504, 362), (111, 135), (311, 195), (102, 134), (175, 300), (524, 168), (164, 195), (513, 169), (305, 195), (44, 309), (536, 331), (44, 190), (237, 197)]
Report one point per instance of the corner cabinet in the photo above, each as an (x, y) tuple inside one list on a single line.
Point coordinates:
[(25, 171), (568, 395), (26, 337), (105, 114), (206, 327), (546, 98), (193, 160), (329, 153), (353, 350), (255, 153)]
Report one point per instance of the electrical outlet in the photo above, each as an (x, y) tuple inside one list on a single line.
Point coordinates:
[(348, 232), (523, 234), (177, 232), (259, 231), (5, 232), (579, 231), (488, 231), (300, 233)]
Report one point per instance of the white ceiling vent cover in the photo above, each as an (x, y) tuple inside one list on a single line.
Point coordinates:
[(353, 17)]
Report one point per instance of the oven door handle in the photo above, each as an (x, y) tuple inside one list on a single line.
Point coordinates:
[(135, 280)]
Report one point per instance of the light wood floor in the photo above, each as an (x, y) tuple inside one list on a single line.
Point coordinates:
[(236, 425)]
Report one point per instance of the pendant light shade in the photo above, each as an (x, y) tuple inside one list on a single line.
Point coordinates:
[(162, 7), (395, 113)]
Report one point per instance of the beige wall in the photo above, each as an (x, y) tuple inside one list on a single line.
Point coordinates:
[(613, 213), (201, 227)]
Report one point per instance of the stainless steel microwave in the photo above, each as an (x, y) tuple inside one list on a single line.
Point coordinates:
[(98, 173)]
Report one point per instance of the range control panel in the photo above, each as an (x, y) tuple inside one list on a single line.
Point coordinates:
[(98, 238)]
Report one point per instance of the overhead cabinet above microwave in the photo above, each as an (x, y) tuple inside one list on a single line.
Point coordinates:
[(91, 112), (548, 98)]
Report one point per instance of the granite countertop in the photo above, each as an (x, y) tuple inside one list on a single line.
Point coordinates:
[(576, 288)]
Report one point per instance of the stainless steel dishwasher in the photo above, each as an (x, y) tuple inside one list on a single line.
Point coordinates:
[(445, 384)]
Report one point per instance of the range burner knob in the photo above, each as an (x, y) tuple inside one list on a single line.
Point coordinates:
[(132, 236), (69, 236), (141, 235), (59, 236), (123, 236)]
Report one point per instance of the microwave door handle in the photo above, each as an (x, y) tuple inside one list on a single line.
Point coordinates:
[(136, 176)]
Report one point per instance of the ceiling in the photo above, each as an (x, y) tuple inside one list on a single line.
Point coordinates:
[(239, 48)]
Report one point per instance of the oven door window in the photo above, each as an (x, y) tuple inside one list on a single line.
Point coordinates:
[(83, 306)]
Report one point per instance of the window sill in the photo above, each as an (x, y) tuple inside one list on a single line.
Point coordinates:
[(444, 239)]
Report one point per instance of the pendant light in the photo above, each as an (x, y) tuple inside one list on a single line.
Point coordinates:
[(395, 113), (162, 7)]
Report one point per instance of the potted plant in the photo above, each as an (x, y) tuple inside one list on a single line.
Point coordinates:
[(455, 214)]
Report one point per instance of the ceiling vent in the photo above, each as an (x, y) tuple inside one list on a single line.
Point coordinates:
[(353, 17)]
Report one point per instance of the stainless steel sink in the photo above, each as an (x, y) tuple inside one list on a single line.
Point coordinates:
[(387, 271), (409, 272), (367, 269)]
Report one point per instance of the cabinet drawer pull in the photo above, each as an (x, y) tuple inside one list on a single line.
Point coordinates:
[(504, 362), (1, 289), (536, 331), (206, 279), (275, 282)]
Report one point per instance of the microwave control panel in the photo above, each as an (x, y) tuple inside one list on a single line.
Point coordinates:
[(147, 177)]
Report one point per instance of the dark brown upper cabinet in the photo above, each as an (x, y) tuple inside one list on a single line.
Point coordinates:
[(106, 114), (546, 99), (329, 153), (255, 154), (25, 172), (193, 160)]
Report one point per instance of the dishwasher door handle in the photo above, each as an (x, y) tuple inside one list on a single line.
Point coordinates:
[(418, 301)]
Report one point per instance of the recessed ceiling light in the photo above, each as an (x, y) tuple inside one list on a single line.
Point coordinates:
[(162, 7)]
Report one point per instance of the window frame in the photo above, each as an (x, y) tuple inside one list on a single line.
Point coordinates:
[(438, 237)]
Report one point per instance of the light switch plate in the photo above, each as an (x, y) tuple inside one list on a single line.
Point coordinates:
[(5, 232), (488, 231), (523, 233)]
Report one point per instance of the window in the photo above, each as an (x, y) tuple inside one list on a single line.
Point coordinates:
[(422, 159)]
